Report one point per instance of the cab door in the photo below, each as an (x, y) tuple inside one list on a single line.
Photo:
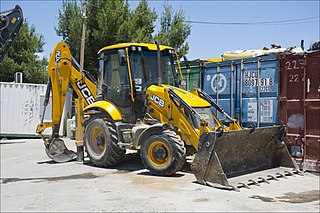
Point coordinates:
[(117, 83)]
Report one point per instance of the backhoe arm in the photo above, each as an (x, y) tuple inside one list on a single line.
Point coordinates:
[(10, 23), (62, 72)]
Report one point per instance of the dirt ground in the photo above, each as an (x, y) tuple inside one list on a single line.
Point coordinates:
[(30, 181)]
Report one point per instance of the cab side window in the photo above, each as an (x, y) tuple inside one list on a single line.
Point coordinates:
[(116, 78)]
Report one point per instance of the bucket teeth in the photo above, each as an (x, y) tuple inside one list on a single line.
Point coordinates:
[(295, 171), (271, 177), (288, 173), (253, 182), (261, 179), (281, 175), (241, 184)]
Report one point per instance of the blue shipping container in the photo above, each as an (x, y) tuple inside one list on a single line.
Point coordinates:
[(219, 80), (249, 86)]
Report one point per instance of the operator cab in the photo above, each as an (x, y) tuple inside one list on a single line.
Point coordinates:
[(128, 69)]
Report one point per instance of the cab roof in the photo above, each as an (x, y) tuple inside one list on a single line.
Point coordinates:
[(125, 45)]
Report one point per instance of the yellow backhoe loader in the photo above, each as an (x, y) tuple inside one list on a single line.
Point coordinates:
[(137, 104)]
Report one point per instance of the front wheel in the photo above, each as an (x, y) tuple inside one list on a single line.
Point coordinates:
[(100, 140), (163, 154)]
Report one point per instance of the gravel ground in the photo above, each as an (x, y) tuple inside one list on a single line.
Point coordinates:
[(30, 181)]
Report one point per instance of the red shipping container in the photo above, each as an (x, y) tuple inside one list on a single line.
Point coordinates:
[(300, 107)]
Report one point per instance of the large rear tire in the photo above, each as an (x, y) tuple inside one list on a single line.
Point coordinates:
[(163, 154), (100, 140)]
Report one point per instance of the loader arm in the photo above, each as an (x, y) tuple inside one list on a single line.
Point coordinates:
[(182, 110), (10, 23), (62, 73), (179, 109), (222, 152), (233, 124)]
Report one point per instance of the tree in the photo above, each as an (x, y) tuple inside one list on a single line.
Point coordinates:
[(142, 23), (174, 30), (70, 25), (22, 57), (108, 22), (111, 22)]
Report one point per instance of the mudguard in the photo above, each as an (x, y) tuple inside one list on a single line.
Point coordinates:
[(105, 106)]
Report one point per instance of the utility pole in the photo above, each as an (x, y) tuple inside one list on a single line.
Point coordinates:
[(83, 37), (79, 101)]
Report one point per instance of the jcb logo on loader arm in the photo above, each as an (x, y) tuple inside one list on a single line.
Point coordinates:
[(157, 100), (85, 92)]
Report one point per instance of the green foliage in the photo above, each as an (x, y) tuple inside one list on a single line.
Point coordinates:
[(106, 26), (174, 31), (142, 23), (70, 25), (111, 22), (22, 57)]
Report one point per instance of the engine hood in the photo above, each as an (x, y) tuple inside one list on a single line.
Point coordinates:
[(190, 98)]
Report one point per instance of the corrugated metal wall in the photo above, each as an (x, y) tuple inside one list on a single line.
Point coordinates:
[(234, 85), (192, 75), (220, 83), (21, 107), (270, 90), (300, 107)]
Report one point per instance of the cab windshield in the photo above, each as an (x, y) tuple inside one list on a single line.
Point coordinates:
[(144, 68)]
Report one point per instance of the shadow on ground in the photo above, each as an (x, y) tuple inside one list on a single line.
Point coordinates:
[(51, 179), (132, 163)]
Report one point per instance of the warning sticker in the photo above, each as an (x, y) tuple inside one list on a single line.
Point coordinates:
[(266, 111), (252, 110)]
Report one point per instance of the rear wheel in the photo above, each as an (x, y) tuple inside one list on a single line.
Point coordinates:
[(163, 154), (101, 140)]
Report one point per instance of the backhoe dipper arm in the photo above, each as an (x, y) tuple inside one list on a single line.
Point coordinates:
[(10, 23), (62, 73)]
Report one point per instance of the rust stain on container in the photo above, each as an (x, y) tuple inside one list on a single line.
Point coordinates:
[(300, 107)]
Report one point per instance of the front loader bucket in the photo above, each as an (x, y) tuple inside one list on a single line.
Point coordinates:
[(57, 151), (222, 156)]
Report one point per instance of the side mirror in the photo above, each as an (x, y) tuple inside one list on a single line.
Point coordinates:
[(104, 90), (122, 57), (182, 82)]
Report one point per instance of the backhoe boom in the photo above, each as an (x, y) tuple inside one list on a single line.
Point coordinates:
[(62, 73)]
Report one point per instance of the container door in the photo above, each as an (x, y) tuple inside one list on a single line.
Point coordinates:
[(185, 75), (292, 102), (258, 91), (191, 76), (194, 77), (312, 113)]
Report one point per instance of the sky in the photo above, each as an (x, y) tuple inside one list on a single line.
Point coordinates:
[(207, 40)]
